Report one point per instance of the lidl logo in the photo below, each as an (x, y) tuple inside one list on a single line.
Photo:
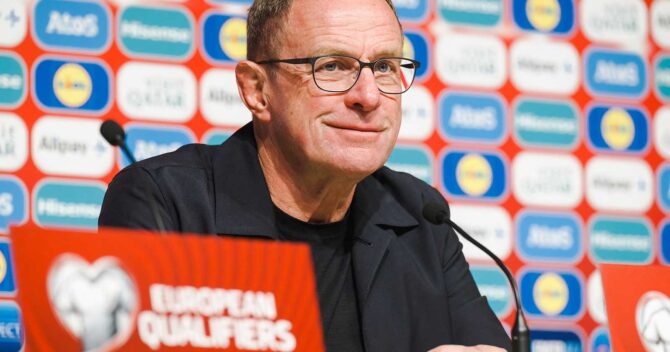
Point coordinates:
[(555, 341), (224, 38), (617, 129), (550, 237), (13, 202), (415, 161), (474, 175), (545, 16), (551, 294), (493, 284), (472, 117), (160, 32), (662, 77), (600, 340), (146, 141), (12, 80), (7, 284), (546, 123), (13, 22), (12, 336), (415, 46), (664, 235), (216, 137), (620, 240), (72, 25), (67, 204), (663, 187), (613, 73), (73, 86), (478, 13), (411, 10)]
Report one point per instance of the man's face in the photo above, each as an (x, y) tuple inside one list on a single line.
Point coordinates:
[(347, 134)]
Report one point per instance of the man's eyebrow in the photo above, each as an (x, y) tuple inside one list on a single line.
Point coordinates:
[(344, 52)]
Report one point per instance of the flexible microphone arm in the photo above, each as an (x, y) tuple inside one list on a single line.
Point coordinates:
[(116, 137), (438, 214)]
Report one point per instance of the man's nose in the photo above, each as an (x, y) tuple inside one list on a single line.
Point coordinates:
[(365, 94)]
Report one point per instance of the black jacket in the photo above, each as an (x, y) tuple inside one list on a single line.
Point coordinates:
[(413, 284)]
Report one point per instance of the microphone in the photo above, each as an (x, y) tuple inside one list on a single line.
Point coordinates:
[(113, 133), (437, 214)]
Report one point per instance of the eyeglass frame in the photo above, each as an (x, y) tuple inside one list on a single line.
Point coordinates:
[(362, 64)]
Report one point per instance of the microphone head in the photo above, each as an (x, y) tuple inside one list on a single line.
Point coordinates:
[(436, 213), (112, 132)]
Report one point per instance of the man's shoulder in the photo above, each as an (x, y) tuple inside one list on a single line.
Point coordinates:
[(187, 156)]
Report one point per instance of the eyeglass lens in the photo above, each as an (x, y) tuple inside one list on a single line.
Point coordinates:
[(339, 73)]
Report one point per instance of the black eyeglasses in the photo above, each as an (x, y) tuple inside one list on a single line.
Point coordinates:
[(339, 73)]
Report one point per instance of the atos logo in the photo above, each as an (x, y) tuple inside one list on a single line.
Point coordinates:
[(551, 294), (600, 340), (664, 236), (411, 10), (493, 284), (472, 117), (617, 129), (72, 86), (478, 13), (12, 80), (546, 123), (224, 38), (7, 284), (620, 240), (216, 136), (12, 336), (474, 175), (415, 161), (546, 16), (146, 141), (555, 341), (415, 46), (157, 32), (617, 74), (552, 237), (663, 187), (662, 77), (72, 25), (13, 202), (67, 204)]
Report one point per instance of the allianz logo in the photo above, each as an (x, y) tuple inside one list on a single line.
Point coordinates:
[(478, 6), (9, 81), (64, 23), (553, 124), (542, 236), (611, 72), (139, 30), (145, 148), (465, 116)]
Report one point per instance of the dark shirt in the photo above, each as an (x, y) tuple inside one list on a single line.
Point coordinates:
[(331, 254)]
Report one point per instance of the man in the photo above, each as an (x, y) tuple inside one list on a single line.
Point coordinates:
[(323, 83)]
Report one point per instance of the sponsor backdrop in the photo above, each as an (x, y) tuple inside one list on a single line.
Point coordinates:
[(545, 123)]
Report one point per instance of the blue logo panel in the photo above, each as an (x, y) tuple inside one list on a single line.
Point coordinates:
[(72, 86), (216, 137), (7, 284), (620, 240), (546, 123), (617, 129), (551, 294), (224, 38), (411, 10), (664, 187), (472, 117), (494, 285), (600, 341), (12, 336), (72, 25), (555, 17), (418, 45), (662, 77), (156, 32), (474, 175), (412, 160), (147, 141), (550, 340), (13, 203), (478, 13), (615, 73), (551, 237), (12, 80), (664, 242), (66, 204)]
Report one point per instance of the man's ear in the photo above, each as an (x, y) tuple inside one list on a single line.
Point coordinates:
[(251, 81)]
